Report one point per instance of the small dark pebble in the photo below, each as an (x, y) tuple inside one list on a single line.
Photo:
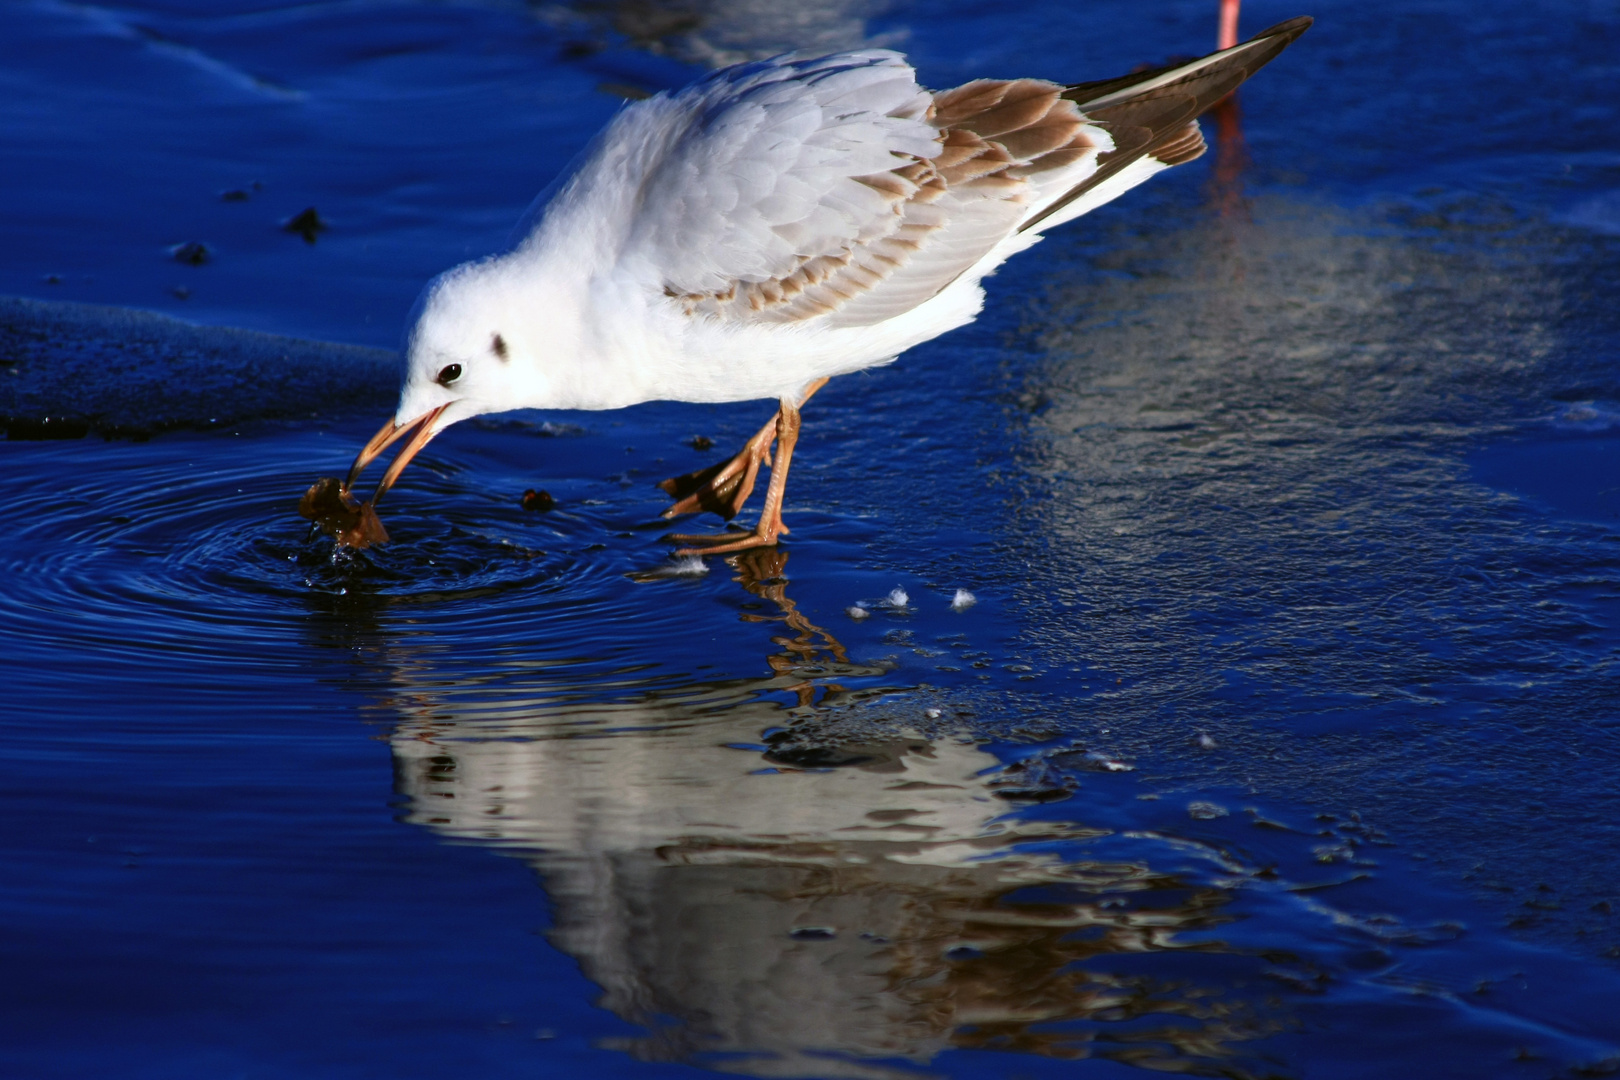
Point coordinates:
[(46, 427), (1035, 795), (192, 253), (538, 500), (180, 292), (700, 442), (1609, 1066), (53, 279), (813, 933), (816, 757), (307, 223), (234, 195), (624, 90)]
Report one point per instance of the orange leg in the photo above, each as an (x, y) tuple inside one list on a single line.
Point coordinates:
[(770, 518), (724, 488)]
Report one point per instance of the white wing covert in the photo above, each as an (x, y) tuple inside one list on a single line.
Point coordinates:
[(836, 189), (760, 175)]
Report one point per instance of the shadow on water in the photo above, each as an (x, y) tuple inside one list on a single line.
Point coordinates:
[(816, 911)]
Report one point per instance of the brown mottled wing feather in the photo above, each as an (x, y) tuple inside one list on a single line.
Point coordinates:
[(1005, 146), (1153, 112), (998, 138), (1183, 148)]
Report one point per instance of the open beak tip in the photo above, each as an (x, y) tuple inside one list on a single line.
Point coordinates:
[(421, 430)]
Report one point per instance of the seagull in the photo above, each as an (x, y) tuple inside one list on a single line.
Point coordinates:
[(774, 225)]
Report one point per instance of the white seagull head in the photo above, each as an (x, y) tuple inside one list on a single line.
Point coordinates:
[(470, 351), (467, 354)]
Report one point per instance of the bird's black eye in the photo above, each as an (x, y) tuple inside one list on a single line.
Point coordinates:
[(449, 374)]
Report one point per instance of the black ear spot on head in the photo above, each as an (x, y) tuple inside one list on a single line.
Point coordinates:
[(498, 346)]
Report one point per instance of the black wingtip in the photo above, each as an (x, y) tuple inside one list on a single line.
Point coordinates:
[(1147, 111), (1270, 41), (1288, 28)]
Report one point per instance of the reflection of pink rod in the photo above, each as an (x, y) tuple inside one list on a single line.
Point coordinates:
[(1231, 157), (1229, 16), (1226, 181)]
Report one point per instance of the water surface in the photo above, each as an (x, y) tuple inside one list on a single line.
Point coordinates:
[(1277, 741)]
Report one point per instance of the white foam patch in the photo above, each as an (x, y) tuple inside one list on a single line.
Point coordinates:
[(1585, 416), (898, 597), (963, 600), (687, 566)]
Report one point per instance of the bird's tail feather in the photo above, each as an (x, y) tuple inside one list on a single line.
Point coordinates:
[(1153, 114)]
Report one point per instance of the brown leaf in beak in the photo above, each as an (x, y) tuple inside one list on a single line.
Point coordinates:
[(335, 513), (330, 506)]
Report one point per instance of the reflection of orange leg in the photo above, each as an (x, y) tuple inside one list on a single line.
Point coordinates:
[(724, 488), (761, 572), (770, 518)]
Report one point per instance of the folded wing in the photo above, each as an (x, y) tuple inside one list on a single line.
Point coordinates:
[(837, 190)]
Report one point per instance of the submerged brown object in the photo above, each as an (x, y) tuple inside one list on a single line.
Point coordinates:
[(336, 514)]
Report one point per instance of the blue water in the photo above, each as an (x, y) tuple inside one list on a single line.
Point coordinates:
[(1278, 741)]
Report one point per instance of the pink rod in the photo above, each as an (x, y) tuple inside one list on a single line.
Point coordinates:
[(1229, 19)]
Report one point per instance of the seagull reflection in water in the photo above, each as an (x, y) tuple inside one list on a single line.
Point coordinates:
[(764, 911)]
